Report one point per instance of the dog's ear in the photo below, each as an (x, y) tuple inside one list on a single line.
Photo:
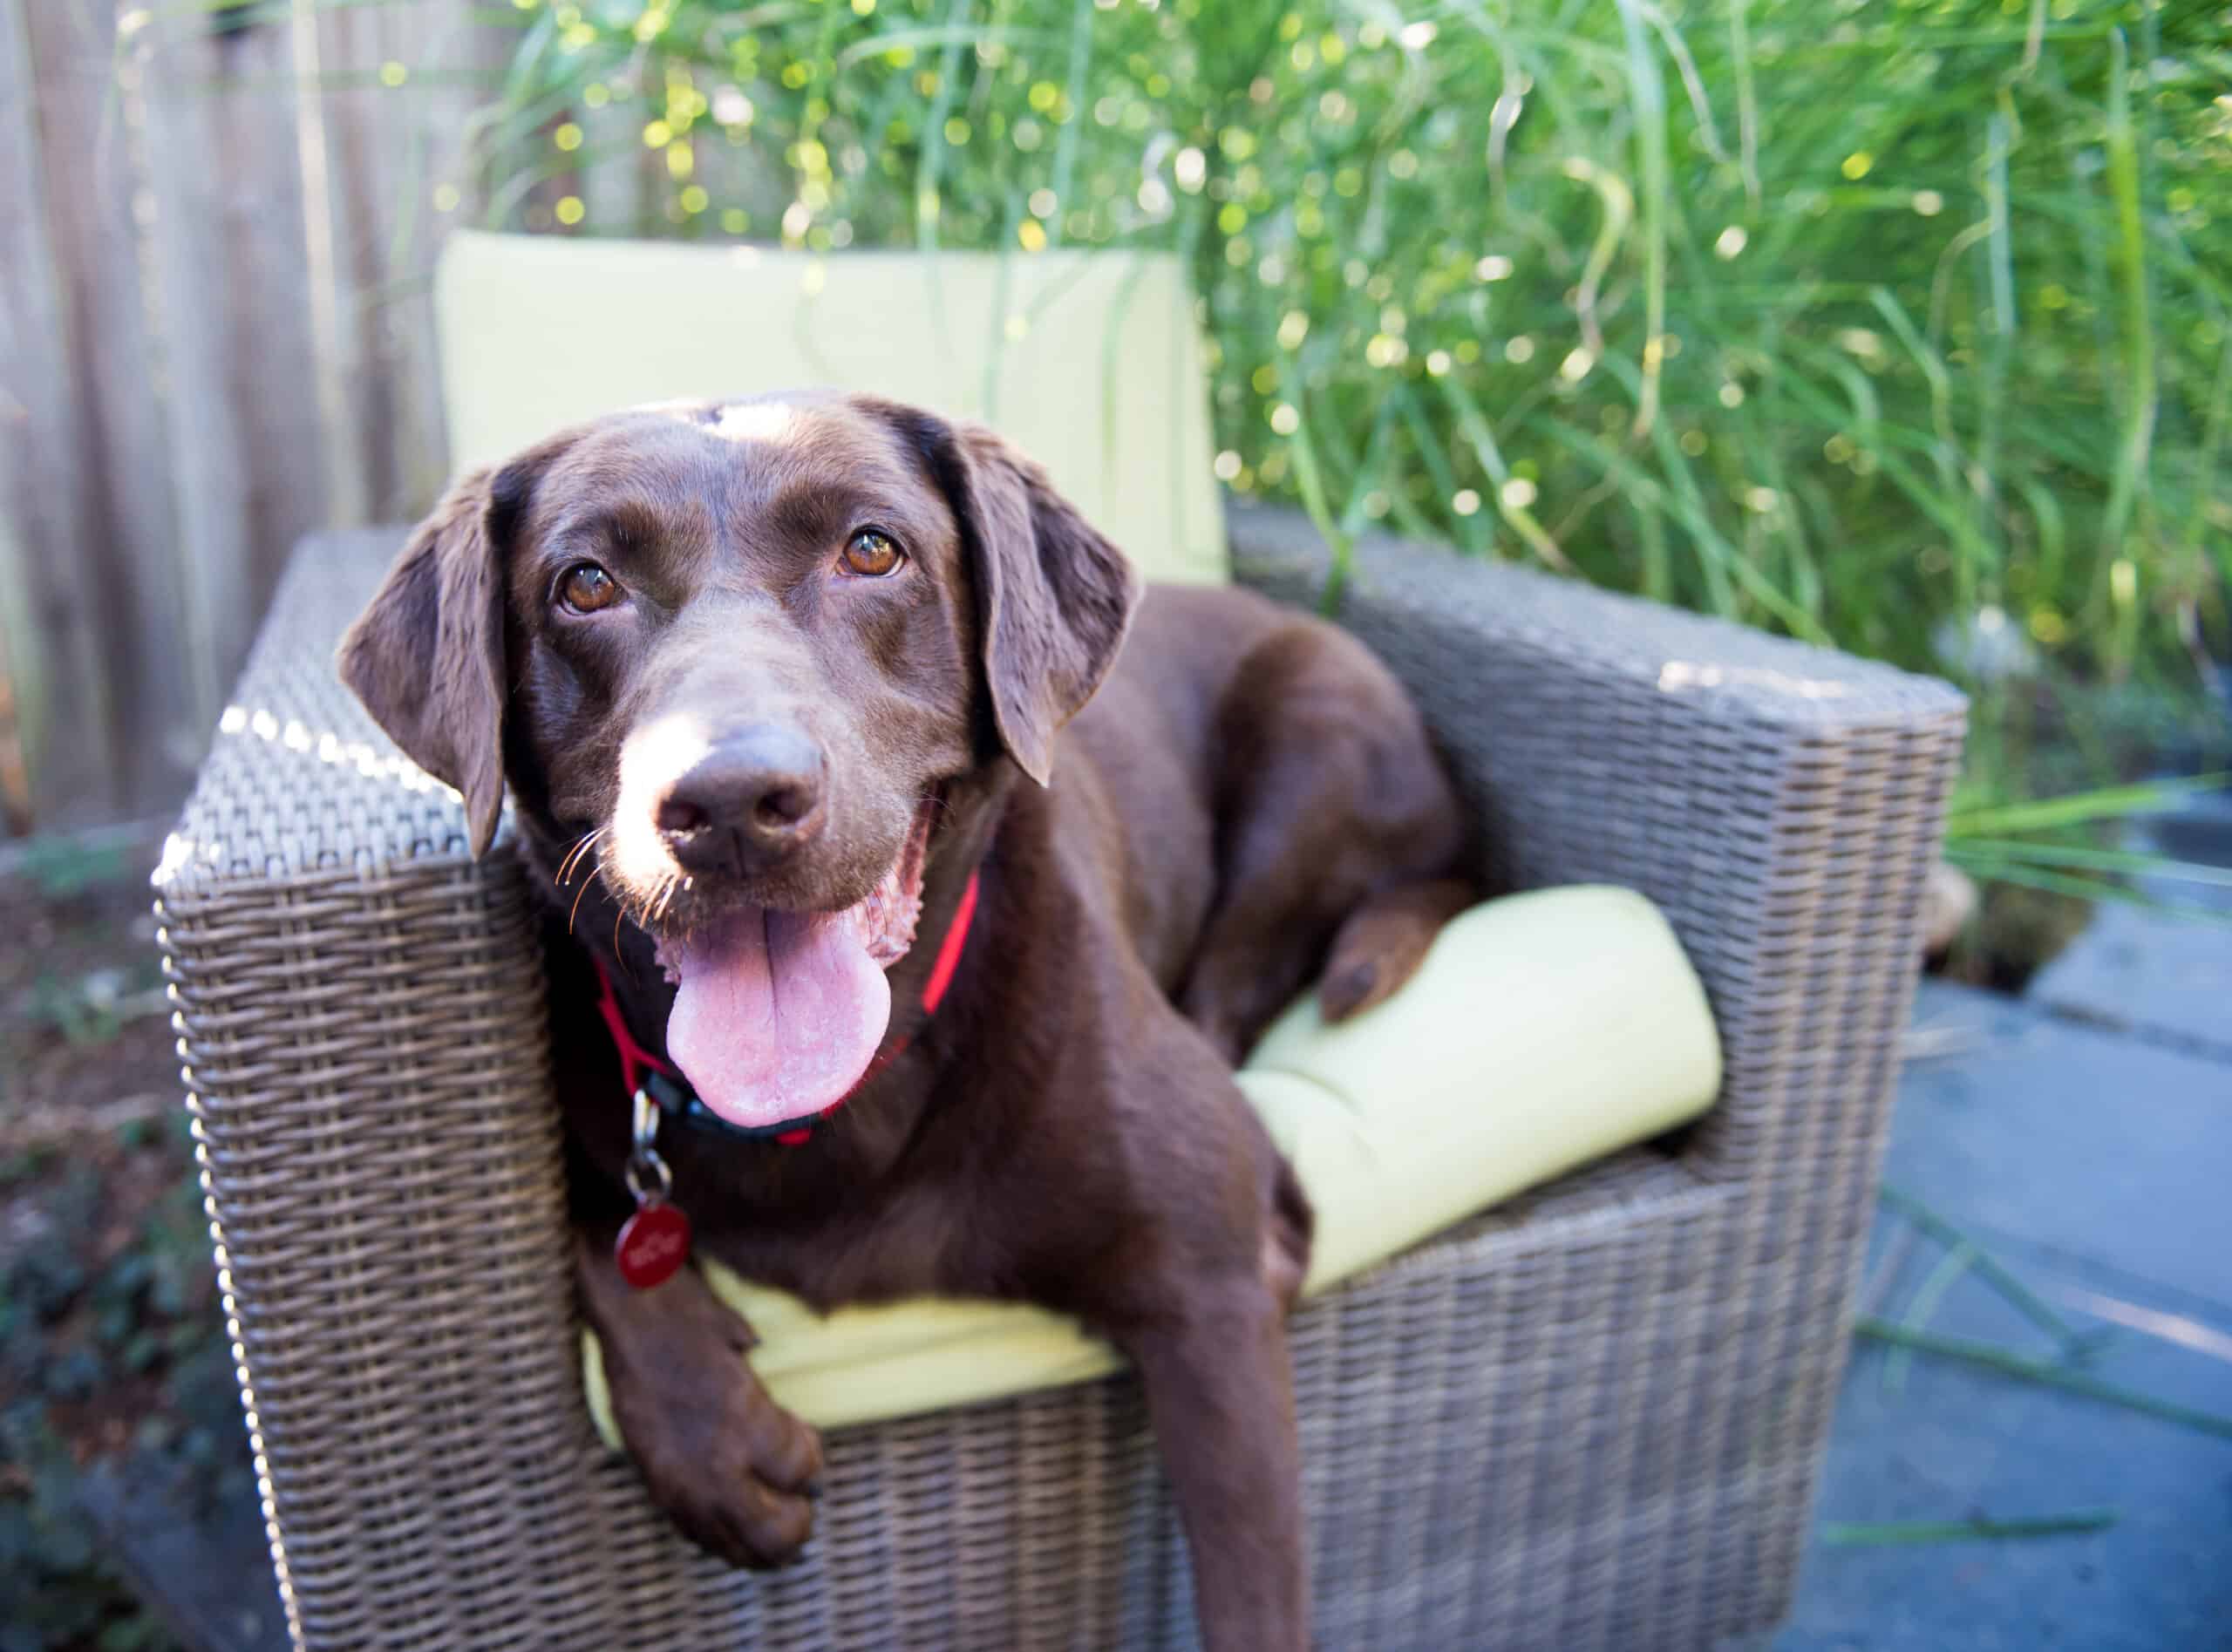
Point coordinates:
[(1053, 596), (426, 655)]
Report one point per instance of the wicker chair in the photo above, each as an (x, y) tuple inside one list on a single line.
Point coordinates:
[(1591, 1417)]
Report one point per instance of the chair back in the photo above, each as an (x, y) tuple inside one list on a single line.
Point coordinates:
[(1090, 361)]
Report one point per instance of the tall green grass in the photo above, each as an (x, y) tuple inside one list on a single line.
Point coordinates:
[(1900, 324)]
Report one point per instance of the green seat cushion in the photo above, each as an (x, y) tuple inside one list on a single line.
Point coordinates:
[(1091, 360), (1543, 1030)]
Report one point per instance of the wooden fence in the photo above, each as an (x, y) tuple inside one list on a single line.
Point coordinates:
[(216, 226)]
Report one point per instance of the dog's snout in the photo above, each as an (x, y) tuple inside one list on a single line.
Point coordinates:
[(747, 804)]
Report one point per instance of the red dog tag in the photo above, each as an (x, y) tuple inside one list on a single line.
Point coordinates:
[(652, 1245)]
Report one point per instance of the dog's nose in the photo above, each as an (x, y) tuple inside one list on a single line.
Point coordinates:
[(749, 802)]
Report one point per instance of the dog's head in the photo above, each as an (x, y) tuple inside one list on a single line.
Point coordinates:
[(734, 651)]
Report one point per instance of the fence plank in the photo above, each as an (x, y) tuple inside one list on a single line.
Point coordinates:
[(124, 601), (216, 243), (229, 293), (615, 187), (59, 684), (391, 147), (94, 120)]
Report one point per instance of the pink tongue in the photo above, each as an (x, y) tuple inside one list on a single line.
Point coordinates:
[(777, 1016)]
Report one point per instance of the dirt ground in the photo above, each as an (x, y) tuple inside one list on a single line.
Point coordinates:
[(112, 1348)]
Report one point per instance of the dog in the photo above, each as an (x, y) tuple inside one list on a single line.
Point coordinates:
[(790, 691)]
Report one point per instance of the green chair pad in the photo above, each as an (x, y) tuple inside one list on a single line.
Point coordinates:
[(1544, 1031)]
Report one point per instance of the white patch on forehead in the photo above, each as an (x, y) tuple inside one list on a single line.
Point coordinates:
[(687, 408), (755, 421)]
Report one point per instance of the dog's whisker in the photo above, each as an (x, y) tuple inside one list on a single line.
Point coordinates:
[(575, 911), (566, 863), (572, 862)]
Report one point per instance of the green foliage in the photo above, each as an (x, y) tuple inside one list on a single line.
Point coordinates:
[(92, 1008), (1881, 1533), (75, 1334), (2043, 845), (61, 866), (1899, 325)]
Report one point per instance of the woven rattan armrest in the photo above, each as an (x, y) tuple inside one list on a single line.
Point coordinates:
[(361, 1018), (1780, 803)]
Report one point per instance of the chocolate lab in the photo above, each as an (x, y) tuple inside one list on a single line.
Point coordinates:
[(777, 686)]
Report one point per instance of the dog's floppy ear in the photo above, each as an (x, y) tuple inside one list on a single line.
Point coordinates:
[(426, 655), (1053, 596)]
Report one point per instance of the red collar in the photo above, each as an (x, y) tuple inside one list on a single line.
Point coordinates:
[(636, 1061)]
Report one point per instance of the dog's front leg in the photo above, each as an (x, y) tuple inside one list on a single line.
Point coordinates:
[(1219, 1388), (733, 1469)]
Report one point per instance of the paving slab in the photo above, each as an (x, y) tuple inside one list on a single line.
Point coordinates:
[(2070, 1139), (204, 1569), (2134, 970), (2094, 1166)]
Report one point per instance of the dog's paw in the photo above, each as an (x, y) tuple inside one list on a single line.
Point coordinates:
[(736, 1474)]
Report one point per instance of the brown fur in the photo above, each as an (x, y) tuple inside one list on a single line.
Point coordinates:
[(1246, 791)]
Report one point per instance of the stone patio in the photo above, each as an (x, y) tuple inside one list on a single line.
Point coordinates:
[(2083, 1138)]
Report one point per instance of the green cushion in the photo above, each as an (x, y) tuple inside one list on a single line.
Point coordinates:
[(1543, 1031), (1091, 360)]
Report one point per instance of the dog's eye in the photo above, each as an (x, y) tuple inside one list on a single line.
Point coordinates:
[(586, 587), (873, 554)]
